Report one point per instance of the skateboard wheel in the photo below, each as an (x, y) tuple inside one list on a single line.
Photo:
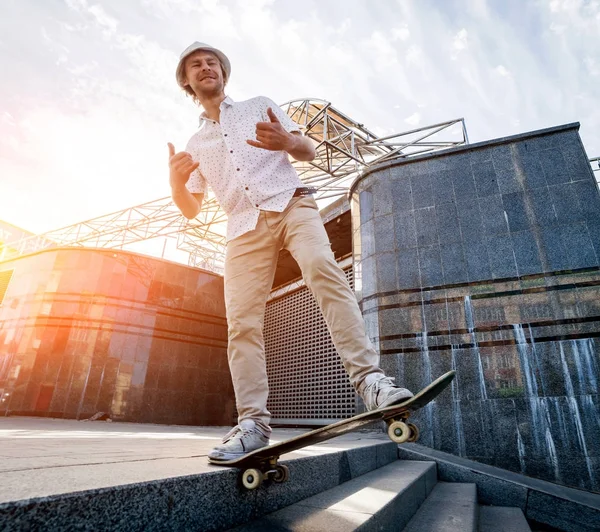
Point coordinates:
[(251, 478), (414, 433), (282, 473), (399, 432)]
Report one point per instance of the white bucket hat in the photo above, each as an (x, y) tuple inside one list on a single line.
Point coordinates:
[(194, 47)]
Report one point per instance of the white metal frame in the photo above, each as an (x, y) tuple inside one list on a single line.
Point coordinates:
[(344, 147), (597, 169)]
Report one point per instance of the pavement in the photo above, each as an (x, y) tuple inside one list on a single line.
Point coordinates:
[(41, 457)]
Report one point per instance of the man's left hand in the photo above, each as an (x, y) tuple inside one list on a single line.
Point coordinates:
[(272, 136)]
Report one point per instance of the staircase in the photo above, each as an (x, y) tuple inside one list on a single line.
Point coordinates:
[(402, 495), (127, 477)]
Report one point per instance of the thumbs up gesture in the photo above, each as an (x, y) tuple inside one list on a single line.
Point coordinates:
[(181, 165), (271, 135)]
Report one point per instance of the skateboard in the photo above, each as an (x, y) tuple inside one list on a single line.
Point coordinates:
[(262, 464)]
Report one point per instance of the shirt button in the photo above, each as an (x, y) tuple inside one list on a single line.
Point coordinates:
[(230, 151), (238, 169), (257, 204), (246, 188), (224, 134)]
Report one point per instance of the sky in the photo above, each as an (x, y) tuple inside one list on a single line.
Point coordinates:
[(88, 98)]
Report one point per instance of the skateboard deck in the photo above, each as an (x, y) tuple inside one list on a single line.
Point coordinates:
[(262, 463)]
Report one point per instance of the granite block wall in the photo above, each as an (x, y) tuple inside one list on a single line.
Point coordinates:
[(486, 259)]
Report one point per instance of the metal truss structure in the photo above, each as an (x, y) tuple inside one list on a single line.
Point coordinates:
[(344, 148), (118, 230)]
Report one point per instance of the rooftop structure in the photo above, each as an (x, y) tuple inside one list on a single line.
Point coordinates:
[(344, 148)]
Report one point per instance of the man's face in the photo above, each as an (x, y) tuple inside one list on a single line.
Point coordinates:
[(203, 73)]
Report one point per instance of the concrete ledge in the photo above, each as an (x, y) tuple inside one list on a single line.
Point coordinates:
[(500, 519), (205, 501), (384, 499), (451, 507), (565, 508)]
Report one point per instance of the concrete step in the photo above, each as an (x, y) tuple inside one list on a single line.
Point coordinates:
[(451, 507), (384, 499), (173, 492), (502, 519), (545, 503)]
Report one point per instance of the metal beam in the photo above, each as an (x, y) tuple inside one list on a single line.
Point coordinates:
[(343, 148), (596, 169)]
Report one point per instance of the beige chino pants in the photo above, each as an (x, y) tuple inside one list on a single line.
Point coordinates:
[(250, 264)]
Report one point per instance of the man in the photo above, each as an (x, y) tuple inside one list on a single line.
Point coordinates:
[(241, 150)]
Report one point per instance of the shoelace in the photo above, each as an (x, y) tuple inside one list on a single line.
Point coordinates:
[(383, 380), (231, 433), (234, 432), (388, 380), (376, 386)]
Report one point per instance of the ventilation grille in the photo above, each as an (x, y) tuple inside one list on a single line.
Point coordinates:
[(307, 381), (5, 277)]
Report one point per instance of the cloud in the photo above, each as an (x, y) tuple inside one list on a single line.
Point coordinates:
[(592, 66), (559, 29), (402, 33), (460, 41), (414, 55), (91, 128), (413, 120), (106, 22), (479, 9), (501, 70)]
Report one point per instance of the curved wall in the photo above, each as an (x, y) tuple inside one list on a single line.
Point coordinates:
[(486, 259), (85, 331)]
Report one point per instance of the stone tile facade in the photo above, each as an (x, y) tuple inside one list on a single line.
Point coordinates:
[(486, 259)]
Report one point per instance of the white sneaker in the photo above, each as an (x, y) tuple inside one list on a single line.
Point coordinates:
[(380, 392), (240, 440)]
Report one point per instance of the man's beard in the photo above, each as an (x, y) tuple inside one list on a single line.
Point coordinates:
[(209, 92)]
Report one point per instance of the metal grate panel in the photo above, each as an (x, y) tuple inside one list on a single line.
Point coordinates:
[(307, 381)]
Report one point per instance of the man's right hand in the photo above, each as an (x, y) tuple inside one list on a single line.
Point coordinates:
[(181, 165)]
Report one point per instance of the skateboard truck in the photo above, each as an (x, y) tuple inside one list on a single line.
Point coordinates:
[(253, 477), (401, 432)]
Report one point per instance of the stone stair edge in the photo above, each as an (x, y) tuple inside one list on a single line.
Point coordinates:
[(451, 507), (350, 506), (540, 501), (173, 498), (502, 519), (576, 495)]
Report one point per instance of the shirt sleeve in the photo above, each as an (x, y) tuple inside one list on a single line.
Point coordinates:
[(196, 183), (288, 124)]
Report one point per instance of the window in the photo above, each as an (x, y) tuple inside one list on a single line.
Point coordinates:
[(503, 361), (5, 277)]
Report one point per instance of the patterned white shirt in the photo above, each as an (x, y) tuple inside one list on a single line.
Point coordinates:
[(244, 179)]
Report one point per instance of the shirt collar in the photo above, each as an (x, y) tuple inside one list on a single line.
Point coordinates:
[(227, 102)]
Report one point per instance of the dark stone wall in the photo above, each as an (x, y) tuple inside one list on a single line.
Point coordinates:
[(141, 339), (486, 259)]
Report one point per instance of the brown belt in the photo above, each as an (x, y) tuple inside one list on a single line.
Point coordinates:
[(304, 191)]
